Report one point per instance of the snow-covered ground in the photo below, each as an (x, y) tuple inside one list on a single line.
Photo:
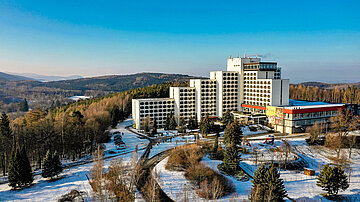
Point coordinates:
[(75, 177), (298, 185), (174, 184)]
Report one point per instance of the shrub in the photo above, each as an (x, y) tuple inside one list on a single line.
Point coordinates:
[(183, 157), (211, 184)]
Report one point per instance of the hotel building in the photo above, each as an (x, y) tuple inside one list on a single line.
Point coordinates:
[(250, 89)]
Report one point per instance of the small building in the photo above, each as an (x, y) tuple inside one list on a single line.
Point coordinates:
[(309, 172), (301, 115)]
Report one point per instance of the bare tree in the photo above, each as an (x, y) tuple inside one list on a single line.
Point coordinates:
[(342, 124), (287, 149), (315, 132)]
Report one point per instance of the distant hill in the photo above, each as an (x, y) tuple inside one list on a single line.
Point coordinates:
[(47, 94), (45, 78), (116, 83), (330, 85), (11, 77)]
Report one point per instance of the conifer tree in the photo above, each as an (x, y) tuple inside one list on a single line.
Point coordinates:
[(332, 180), (216, 144), (231, 159), (52, 165), (115, 116), (47, 165), (5, 140), (205, 125), (25, 168), (233, 134), (23, 106), (14, 175), (181, 125), (154, 127), (227, 118), (167, 122), (259, 184), (172, 122), (57, 164), (275, 189)]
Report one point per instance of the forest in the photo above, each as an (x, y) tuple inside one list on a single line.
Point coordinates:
[(350, 94), (73, 130)]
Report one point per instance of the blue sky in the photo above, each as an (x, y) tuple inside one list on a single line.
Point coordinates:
[(311, 40)]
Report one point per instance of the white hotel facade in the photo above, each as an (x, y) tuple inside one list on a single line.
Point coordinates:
[(248, 86)]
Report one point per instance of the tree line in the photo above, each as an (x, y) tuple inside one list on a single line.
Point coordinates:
[(350, 95)]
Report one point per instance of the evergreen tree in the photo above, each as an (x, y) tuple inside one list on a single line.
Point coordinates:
[(181, 125), (146, 124), (233, 134), (5, 140), (216, 144), (259, 184), (57, 164), (25, 169), (115, 116), (23, 106), (154, 127), (167, 122), (227, 118), (205, 125), (14, 175), (172, 122), (231, 159), (47, 166), (332, 180), (275, 189), (52, 165)]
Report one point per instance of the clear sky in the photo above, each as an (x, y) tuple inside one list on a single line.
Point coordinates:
[(313, 40)]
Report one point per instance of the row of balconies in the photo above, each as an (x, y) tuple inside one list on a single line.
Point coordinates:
[(230, 74), (228, 102), (230, 98), (249, 74), (187, 94), (229, 94), (208, 86), (230, 78), (156, 107), (257, 99), (256, 91), (230, 86), (187, 90), (251, 86), (256, 103), (156, 102), (257, 82), (155, 111), (257, 95), (230, 82), (231, 90), (187, 102), (208, 82), (208, 98)]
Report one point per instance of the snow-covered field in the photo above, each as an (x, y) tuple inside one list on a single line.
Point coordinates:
[(75, 177)]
